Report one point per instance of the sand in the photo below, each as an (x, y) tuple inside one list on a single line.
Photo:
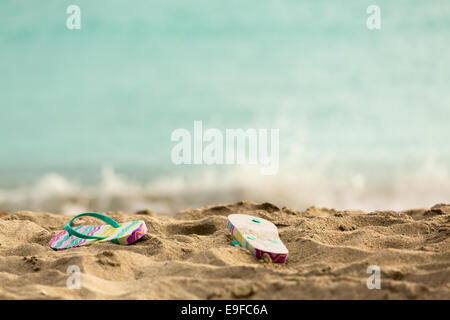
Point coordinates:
[(189, 256)]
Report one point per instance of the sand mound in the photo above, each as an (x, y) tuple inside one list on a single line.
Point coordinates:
[(189, 256)]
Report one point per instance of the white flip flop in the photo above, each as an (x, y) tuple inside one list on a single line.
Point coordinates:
[(259, 236)]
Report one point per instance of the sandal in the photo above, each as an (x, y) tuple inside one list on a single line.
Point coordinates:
[(259, 236), (125, 233)]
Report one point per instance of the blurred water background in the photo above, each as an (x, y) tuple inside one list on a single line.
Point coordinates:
[(86, 115)]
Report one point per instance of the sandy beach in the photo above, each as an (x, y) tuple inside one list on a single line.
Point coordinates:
[(189, 256)]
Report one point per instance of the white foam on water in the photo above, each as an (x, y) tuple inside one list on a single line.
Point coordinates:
[(297, 188)]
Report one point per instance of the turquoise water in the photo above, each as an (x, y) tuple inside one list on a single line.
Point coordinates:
[(363, 115)]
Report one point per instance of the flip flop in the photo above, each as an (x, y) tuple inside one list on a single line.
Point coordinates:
[(259, 236), (125, 233)]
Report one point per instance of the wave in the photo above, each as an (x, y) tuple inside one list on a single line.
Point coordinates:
[(299, 188)]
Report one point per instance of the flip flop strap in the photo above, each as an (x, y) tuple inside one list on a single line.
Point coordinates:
[(106, 219)]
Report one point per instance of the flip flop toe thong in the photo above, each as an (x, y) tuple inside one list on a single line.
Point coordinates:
[(119, 233)]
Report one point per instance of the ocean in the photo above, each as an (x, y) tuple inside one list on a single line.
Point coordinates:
[(87, 114)]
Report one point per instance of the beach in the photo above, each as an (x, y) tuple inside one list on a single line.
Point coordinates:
[(188, 255)]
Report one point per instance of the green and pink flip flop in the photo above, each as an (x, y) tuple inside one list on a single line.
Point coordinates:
[(125, 233)]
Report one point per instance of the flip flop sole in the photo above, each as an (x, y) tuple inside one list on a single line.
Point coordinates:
[(259, 236), (127, 233)]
